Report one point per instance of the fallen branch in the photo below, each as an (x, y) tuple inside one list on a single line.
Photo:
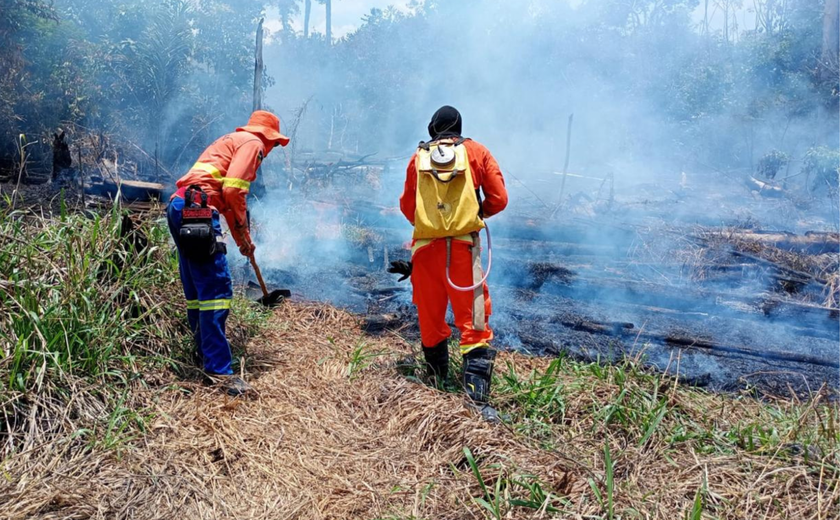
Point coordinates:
[(774, 265), (811, 243), (684, 340), (765, 188)]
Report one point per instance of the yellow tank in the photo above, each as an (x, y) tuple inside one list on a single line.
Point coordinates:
[(447, 204)]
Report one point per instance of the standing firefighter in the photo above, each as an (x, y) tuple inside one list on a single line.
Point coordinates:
[(218, 183), (442, 200)]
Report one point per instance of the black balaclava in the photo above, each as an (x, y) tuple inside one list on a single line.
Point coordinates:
[(445, 123)]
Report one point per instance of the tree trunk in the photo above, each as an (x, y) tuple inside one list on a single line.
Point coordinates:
[(258, 67), (307, 12), (258, 187), (328, 4), (830, 40)]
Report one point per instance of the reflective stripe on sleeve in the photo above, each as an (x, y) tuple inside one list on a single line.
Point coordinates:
[(208, 168), (236, 183), (192, 304), (214, 305)]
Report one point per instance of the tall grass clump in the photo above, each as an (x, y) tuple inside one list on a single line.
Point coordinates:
[(88, 302), (640, 427)]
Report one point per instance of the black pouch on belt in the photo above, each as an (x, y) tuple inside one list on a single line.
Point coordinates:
[(196, 236)]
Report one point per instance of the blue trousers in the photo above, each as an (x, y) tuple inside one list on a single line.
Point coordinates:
[(209, 291)]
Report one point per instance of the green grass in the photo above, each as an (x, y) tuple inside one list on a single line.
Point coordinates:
[(635, 414), (511, 492), (79, 300), (89, 311), (642, 408)]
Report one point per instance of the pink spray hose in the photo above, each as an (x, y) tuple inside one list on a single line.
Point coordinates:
[(489, 264)]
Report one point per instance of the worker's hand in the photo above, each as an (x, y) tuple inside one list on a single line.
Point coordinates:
[(401, 267), (247, 249)]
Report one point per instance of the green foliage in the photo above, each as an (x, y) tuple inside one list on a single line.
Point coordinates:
[(171, 75), (642, 418), (699, 498), (712, 97), (92, 308), (822, 165), (538, 498), (491, 501), (770, 164), (165, 75)]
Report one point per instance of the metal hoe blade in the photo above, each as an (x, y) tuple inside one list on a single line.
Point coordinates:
[(274, 298)]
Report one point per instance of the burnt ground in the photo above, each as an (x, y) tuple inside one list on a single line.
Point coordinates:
[(603, 279)]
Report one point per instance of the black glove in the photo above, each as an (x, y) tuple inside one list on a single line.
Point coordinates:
[(401, 267)]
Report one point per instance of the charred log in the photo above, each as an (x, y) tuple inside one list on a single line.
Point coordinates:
[(685, 340), (131, 191), (689, 299)]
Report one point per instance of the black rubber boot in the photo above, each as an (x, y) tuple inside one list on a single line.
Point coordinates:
[(235, 386), (198, 358), (232, 384), (478, 372), (437, 362)]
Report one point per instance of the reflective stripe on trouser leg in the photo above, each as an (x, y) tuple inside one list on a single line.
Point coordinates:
[(215, 305), (471, 309)]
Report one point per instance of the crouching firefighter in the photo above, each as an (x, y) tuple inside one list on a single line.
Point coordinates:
[(217, 185), (442, 199)]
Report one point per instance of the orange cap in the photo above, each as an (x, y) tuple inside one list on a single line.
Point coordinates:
[(267, 125)]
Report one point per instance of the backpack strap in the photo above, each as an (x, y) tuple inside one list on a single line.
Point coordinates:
[(427, 145)]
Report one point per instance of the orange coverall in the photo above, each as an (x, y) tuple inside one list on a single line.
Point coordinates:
[(225, 171), (432, 292)]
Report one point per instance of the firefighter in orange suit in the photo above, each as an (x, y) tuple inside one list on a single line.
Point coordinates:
[(218, 183), (442, 199)]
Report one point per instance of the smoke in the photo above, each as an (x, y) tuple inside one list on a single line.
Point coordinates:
[(669, 124), (673, 127)]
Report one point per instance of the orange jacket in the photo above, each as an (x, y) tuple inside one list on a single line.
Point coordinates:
[(225, 171), (486, 175)]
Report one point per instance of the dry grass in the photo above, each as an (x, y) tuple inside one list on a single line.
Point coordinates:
[(335, 433)]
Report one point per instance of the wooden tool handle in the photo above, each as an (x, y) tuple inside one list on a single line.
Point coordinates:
[(259, 275)]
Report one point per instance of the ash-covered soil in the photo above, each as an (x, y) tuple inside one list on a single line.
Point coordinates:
[(633, 277)]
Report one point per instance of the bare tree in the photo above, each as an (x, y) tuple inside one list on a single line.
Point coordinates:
[(307, 12), (328, 4), (328, 8), (259, 66), (830, 40)]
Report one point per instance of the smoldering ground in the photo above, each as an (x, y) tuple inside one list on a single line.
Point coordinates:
[(664, 139)]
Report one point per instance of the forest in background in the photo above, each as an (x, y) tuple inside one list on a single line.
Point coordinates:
[(650, 82)]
